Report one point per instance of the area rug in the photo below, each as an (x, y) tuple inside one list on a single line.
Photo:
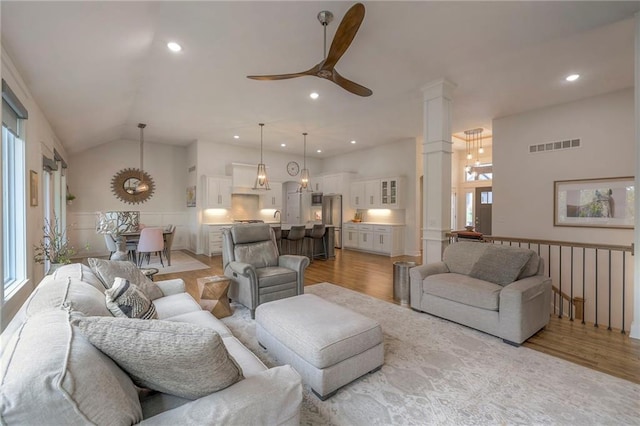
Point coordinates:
[(180, 262), (440, 373)]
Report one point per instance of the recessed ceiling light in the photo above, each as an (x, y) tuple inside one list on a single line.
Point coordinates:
[(174, 47), (314, 95), (283, 145), (353, 142), (236, 137), (319, 151), (572, 77)]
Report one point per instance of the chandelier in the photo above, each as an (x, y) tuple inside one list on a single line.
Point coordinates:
[(262, 182), (304, 176), (142, 185), (473, 139)]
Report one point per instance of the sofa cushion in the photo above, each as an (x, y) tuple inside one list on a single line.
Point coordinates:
[(126, 300), (461, 256), (109, 270), (203, 319), (531, 268), (500, 265), (53, 375), (80, 272), (176, 304), (176, 358), (464, 289), (67, 292), (275, 275)]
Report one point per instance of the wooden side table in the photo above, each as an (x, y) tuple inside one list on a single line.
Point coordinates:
[(213, 295)]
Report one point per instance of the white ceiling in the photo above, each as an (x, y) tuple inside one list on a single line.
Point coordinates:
[(98, 68)]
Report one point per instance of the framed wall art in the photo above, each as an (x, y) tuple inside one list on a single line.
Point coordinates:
[(191, 196), (599, 203), (33, 188)]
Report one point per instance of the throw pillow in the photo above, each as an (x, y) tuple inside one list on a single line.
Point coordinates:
[(180, 359), (124, 299), (108, 270), (500, 265)]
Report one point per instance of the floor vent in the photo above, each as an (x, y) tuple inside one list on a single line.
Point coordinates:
[(554, 146)]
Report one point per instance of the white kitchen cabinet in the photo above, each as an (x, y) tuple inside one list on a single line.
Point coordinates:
[(372, 194), (374, 238), (332, 184), (357, 195), (272, 199), (365, 237), (215, 239), (391, 192), (385, 193), (218, 192), (316, 183), (350, 235)]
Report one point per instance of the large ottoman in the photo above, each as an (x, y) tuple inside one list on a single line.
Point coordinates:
[(327, 344)]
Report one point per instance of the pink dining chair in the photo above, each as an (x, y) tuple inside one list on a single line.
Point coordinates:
[(151, 241)]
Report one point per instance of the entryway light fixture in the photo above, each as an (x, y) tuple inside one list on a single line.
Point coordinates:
[(262, 182), (142, 185), (473, 139), (304, 176)]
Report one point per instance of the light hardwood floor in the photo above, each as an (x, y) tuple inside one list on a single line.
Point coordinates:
[(608, 351)]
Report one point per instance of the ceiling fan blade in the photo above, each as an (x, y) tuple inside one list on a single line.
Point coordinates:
[(312, 71), (344, 35), (350, 86)]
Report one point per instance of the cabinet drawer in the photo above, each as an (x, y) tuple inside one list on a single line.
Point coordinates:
[(382, 229), (365, 228)]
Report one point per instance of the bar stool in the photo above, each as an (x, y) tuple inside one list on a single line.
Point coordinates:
[(317, 233), (296, 234)]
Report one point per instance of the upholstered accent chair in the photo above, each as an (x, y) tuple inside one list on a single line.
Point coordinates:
[(258, 272)]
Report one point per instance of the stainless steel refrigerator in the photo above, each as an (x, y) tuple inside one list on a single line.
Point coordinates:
[(332, 215)]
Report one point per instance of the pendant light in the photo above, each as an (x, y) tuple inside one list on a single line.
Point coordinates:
[(142, 185), (304, 176), (262, 181)]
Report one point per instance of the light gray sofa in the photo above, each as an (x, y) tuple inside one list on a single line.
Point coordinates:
[(500, 290), (51, 374)]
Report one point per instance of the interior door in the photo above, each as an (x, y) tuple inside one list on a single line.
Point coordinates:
[(484, 203), (293, 207)]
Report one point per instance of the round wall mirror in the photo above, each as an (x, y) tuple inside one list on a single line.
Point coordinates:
[(124, 184)]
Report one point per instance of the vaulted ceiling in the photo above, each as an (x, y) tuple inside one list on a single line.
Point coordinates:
[(98, 68)]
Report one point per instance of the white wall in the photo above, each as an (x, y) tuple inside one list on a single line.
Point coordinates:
[(89, 178), (40, 140), (523, 183), (393, 159)]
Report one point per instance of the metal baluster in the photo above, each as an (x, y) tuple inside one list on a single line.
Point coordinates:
[(571, 301), (584, 253), (560, 280), (595, 324), (609, 324), (624, 275)]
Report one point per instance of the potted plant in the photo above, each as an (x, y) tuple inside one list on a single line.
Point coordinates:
[(70, 198), (54, 246)]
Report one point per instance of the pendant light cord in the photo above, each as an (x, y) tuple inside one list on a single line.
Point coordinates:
[(261, 126)]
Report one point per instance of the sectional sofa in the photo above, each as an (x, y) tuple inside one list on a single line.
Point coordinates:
[(53, 373)]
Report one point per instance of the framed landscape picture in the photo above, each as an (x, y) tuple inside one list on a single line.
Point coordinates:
[(600, 203)]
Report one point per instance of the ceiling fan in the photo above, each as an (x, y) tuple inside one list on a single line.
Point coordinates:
[(341, 42)]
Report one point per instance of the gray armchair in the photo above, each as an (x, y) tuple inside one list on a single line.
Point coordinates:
[(258, 272)]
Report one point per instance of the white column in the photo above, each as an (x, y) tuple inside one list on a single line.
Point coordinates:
[(635, 323), (437, 149)]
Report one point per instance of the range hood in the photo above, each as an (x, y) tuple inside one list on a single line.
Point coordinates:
[(243, 177)]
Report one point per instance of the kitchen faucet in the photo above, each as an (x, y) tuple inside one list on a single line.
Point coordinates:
[(277, 213)]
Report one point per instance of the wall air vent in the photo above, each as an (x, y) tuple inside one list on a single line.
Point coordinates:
[(554, 146)]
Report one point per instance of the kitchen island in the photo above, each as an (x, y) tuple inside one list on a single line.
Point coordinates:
[(214, 233), (283, 229)]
